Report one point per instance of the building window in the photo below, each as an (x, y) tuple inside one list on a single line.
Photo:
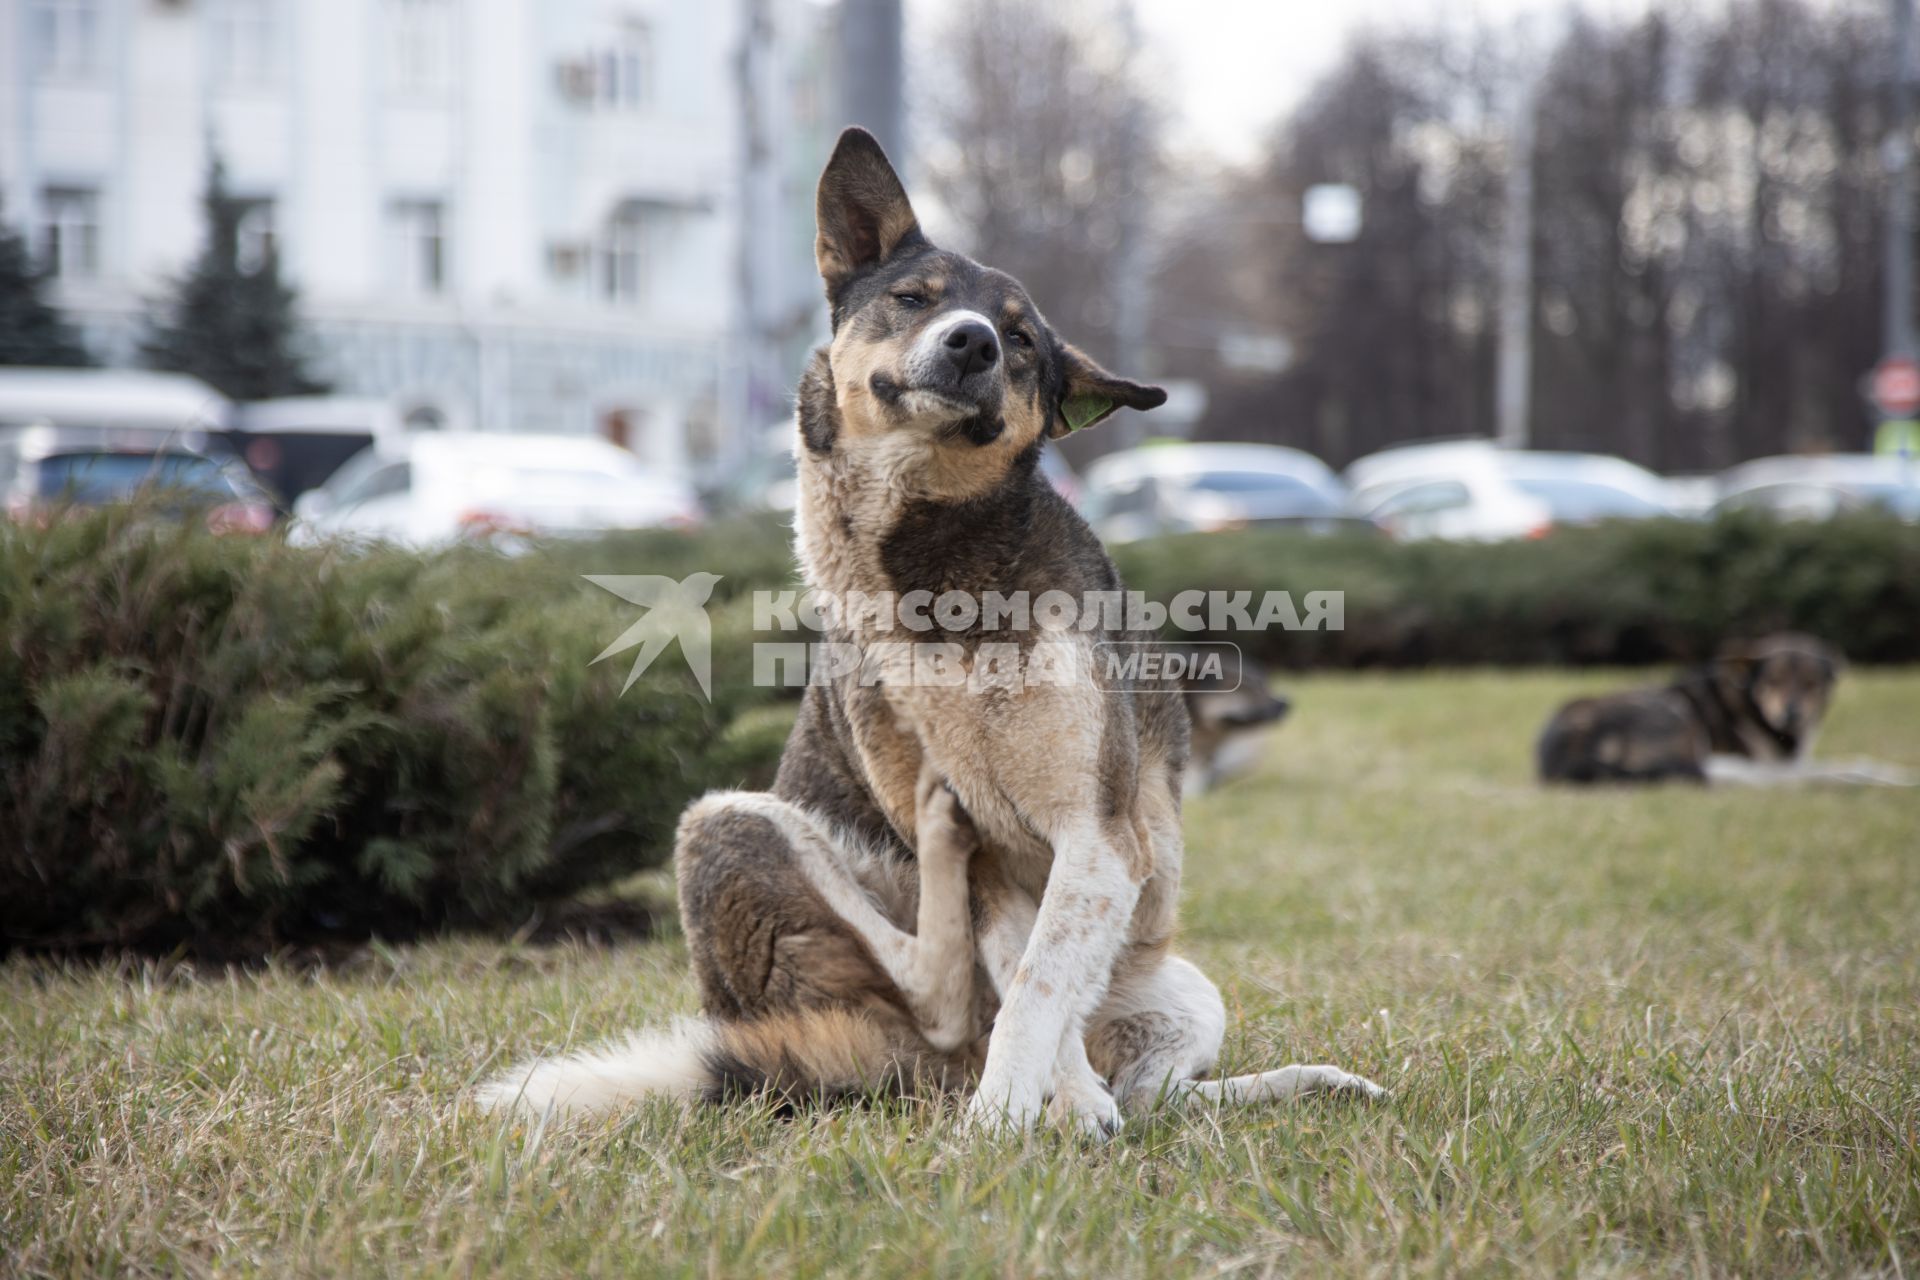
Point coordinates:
[(66, 36), (70, 232), (253, 236), (243, 43), (624, 256), (624, 80), (417, 230), (420, 47)]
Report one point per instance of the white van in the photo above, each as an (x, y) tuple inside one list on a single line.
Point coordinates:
[(136, 407)]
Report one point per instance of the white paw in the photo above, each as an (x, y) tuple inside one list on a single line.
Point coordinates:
[(1001, 1108), (1084, 1107), (1337, 1081)]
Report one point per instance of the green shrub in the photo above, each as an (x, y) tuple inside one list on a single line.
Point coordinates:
[(749, 552), (1637, 592), (227, 743)]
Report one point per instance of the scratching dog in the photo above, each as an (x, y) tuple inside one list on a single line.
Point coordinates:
[(1033, 826)]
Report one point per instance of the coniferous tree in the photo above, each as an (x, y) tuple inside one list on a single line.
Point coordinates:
[(31, 331), (233, 328)]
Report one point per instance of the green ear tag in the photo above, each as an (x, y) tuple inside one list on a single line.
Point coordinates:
[(1084, 410)]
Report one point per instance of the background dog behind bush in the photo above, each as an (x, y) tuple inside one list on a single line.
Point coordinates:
[(1750, 716), (1233, 712), (921, 425)]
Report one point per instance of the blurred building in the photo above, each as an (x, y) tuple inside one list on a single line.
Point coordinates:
[(566, 215)]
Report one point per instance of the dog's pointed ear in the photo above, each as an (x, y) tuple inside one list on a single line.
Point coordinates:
[(861, 213), (1735, 664), (1090, 395), (1736, 653)]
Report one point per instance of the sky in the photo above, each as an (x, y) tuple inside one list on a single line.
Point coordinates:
[(1237, 66)]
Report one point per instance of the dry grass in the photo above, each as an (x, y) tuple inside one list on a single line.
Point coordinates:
[(1633, 1033)]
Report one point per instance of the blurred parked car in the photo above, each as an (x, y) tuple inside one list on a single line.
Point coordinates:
[(296, 443), (45, 469), (1177, 487), (767, 479), (1475, 491), (1691, 496), (433, 488), (1819, 487)]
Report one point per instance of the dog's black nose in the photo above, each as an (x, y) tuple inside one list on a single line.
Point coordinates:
[(972, 347)]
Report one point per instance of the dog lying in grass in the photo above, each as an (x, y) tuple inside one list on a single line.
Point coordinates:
[(1748, 717)]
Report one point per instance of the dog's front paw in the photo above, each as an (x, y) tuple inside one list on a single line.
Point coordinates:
[(1084, 1107), (1001, 1108)]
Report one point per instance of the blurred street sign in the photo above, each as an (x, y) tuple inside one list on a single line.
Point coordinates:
[(1897, 438), (1330, 213), (1896, 386)]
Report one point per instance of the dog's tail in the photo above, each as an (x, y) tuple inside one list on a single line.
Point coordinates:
[(791, 1057)]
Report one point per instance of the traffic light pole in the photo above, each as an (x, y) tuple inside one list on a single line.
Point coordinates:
[(1897, 336)]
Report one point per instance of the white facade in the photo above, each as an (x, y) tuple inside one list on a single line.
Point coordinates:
[(508, 214)]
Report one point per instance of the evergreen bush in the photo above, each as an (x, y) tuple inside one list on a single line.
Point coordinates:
[(32, 332), (1620, 593), (231, 743)]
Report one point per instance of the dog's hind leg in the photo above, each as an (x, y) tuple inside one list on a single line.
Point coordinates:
[(931, 969), (1161, 1030), (792, 962), (939, 963)]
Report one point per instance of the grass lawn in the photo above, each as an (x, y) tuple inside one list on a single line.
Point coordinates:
[(1652, 1032)]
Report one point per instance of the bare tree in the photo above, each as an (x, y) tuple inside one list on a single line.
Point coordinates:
[(1605, 253), (1707, 221), (1043, 149)]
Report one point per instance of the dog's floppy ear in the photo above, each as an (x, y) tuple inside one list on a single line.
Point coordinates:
[(861, 211), (1089, 394)]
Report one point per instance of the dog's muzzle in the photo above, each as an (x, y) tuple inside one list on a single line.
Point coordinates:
[(952, 370), (971, 347)]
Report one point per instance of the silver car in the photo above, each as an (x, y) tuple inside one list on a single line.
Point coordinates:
[(1822, 486), (1178, 488)]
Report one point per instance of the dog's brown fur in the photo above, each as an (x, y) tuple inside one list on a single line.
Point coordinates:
[(1760, 700), (1233, 710), (920, 428)]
